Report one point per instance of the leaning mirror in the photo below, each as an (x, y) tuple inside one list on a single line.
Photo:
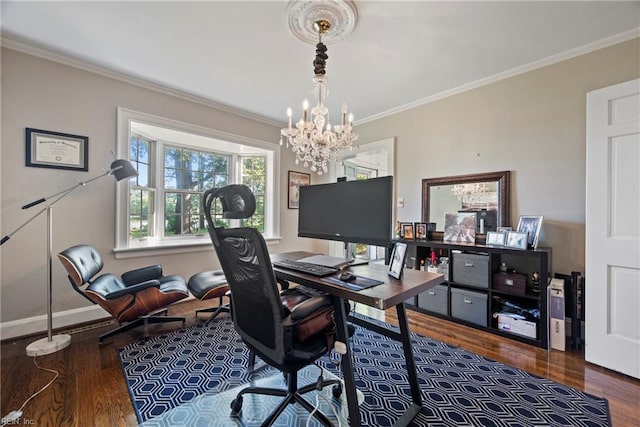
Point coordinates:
[(485, 193)]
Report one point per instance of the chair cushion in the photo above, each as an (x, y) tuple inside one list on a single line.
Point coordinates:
[(143, 274), (173, 283), (312, 315), (106, 284), (208, 284)]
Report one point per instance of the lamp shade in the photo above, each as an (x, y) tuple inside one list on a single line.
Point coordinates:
[(122, 169)]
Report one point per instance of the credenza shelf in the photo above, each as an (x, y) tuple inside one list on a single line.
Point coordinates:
[(474, 298)]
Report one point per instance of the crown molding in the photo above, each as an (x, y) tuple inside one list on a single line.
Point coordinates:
[(563, 56), (41, 52)]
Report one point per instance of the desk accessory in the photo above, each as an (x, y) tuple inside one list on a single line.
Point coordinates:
[(357, 284), (397, 260)]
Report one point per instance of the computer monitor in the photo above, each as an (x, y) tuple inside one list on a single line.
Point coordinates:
[(349, 211)]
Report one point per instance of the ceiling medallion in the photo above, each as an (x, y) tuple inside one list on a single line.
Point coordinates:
[(302, 14)]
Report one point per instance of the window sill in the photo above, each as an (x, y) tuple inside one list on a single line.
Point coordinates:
[(173, 247)]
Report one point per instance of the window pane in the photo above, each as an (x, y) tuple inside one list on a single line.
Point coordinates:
[(171, 203), (171, 223), (254, 176), (140, 217), (142, 179), (170, 181), (221, 164), (206, 161), (220, 181), (201, 226), (206, 181), (171, 157), (194, 181), (133, 149), (195, 206), (190, 160), (139, 155)]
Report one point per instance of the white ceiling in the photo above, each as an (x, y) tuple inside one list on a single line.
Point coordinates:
[(241, 53)]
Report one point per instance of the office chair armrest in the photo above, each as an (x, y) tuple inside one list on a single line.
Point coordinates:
[(143, 274), (306, 307), (133, 289)]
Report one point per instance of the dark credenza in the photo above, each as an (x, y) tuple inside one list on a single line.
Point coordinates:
[(478, 294)]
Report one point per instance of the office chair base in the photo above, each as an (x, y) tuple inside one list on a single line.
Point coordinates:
[(215, 310), (291, 395), (157, 317)]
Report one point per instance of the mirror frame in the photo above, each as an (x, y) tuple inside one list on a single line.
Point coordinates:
[(502, 178)]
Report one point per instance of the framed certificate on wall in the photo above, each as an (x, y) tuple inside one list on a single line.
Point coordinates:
[(46, 149)]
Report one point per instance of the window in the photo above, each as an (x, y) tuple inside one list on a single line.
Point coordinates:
[(177, 163)]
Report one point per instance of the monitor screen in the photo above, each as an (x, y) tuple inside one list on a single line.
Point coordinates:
[(349, 211)]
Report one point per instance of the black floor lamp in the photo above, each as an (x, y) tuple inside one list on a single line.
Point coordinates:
[(120, 169)]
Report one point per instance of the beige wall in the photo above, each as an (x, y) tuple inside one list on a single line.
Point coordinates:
[(533, 124), (47, 95)]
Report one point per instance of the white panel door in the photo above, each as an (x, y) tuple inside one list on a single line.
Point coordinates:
[(612, 321)]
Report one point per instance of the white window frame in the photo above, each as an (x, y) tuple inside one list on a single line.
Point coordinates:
[(125, 248)]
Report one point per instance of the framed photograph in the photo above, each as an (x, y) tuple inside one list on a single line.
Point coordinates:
[(496, 239), (516, 240), (46, 149), (396, 265), (460, 227), (421, 230), (407, 231), (503, 229), (531, 225), (296, 180)]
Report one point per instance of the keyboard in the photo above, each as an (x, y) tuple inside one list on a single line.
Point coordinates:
[(305, 267)]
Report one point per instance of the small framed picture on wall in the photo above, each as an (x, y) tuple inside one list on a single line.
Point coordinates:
[(296, 180)]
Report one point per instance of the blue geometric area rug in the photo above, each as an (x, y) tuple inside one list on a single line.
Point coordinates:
[(170, 376)]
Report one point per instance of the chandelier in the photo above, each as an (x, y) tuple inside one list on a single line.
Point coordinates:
[(469, 193), (313, 140)]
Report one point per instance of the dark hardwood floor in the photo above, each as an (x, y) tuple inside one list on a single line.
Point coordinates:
[(91, 389)]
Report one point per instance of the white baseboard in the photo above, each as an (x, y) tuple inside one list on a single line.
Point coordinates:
[(62, 319)]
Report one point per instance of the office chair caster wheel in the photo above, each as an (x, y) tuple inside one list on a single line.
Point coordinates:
[(336, 390), (236, 405)]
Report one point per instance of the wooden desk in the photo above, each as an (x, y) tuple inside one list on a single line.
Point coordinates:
[(392, 292)]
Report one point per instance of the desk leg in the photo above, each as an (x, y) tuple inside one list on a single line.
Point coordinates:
[(347, 366), (408, 355)]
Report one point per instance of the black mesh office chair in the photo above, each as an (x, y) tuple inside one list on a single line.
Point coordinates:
[(261, 319)]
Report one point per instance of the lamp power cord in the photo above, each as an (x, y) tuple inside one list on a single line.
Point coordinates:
[(319, 395), (13, 416)]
